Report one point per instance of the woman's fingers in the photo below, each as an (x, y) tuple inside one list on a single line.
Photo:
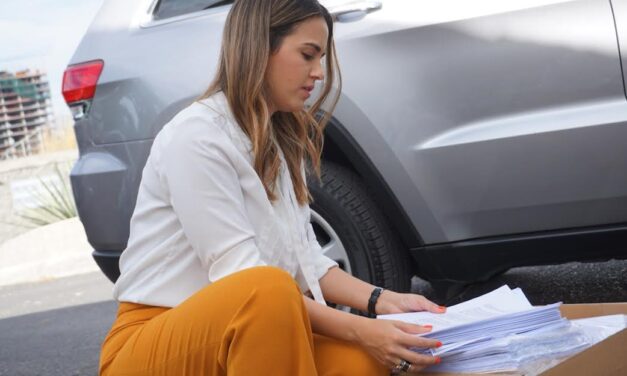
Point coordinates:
[(415, 370), (418, 361), (392, 341), (413, 328), (410, 341), (417, 302), (429, 306), (418, 368)]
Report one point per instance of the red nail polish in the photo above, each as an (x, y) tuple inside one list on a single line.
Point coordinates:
[(439, 344), (428, 326), (438, 360), (442, 308)]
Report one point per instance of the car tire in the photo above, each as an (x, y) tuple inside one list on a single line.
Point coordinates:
[(349, 225)]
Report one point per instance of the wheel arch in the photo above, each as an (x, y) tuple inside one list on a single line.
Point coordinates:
[(341, 148)]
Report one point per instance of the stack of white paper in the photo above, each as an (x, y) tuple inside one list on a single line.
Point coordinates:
[(497, 332)]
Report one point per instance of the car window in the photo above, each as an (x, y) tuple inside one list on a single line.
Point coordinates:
[(171, 8)]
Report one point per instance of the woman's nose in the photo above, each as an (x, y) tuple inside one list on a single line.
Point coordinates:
[(318, 72)]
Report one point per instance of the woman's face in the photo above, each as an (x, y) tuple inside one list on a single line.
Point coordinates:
[(296, 65)]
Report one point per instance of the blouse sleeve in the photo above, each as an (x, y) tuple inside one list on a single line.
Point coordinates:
[(322, 263), (205, 193)]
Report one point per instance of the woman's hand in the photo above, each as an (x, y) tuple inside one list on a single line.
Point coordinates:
[(393, 302), (389, 342)]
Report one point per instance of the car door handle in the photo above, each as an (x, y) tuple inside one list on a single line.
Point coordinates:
[(354, 11)]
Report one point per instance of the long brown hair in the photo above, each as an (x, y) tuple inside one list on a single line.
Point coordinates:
[(254, 30)]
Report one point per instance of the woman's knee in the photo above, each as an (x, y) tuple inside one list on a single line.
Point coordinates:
[(275, 285), (266, 285), (275, 298), (258, 276), (269, 274), (264, 282), (271, 278)]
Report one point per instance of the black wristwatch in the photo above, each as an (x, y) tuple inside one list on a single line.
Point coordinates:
[(372, 302)]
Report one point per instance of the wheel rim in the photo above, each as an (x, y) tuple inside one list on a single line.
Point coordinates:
[(333, 248)]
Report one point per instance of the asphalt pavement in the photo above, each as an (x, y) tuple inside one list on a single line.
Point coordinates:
[(55, 327)]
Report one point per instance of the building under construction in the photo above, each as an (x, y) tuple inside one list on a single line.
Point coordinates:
[(25, 112)]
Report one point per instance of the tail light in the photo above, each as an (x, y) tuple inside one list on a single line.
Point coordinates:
[(79, 86)]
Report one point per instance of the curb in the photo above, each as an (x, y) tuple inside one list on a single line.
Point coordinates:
[(48, 252)]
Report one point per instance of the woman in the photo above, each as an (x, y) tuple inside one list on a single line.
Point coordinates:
[(221, 248)]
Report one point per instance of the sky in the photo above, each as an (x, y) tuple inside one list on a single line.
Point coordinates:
[(43, 34)]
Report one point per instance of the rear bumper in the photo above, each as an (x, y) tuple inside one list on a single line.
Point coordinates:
[(105, 180), (108, 263)]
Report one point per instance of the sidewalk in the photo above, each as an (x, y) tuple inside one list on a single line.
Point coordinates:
[(18, 171), (49, 252)]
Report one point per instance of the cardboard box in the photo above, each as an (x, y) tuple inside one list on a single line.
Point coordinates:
[(606, 358)]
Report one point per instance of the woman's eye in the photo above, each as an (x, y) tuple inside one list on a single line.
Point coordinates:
[(307, 57)]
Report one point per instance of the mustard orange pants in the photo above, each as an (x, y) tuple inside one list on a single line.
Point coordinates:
[(253, 322)]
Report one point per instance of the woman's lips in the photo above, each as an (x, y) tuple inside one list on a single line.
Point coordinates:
[(306, 91)]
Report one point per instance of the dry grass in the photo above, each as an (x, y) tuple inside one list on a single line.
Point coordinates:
[(59, 139)]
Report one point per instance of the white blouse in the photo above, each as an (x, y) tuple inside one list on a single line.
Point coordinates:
[(202, 213)]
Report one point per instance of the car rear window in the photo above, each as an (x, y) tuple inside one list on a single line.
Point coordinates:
[(171, 8)]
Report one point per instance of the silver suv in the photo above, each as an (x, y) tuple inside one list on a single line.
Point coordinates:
[(470, 137)]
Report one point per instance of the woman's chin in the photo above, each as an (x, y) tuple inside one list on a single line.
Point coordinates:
[(295, 106)]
